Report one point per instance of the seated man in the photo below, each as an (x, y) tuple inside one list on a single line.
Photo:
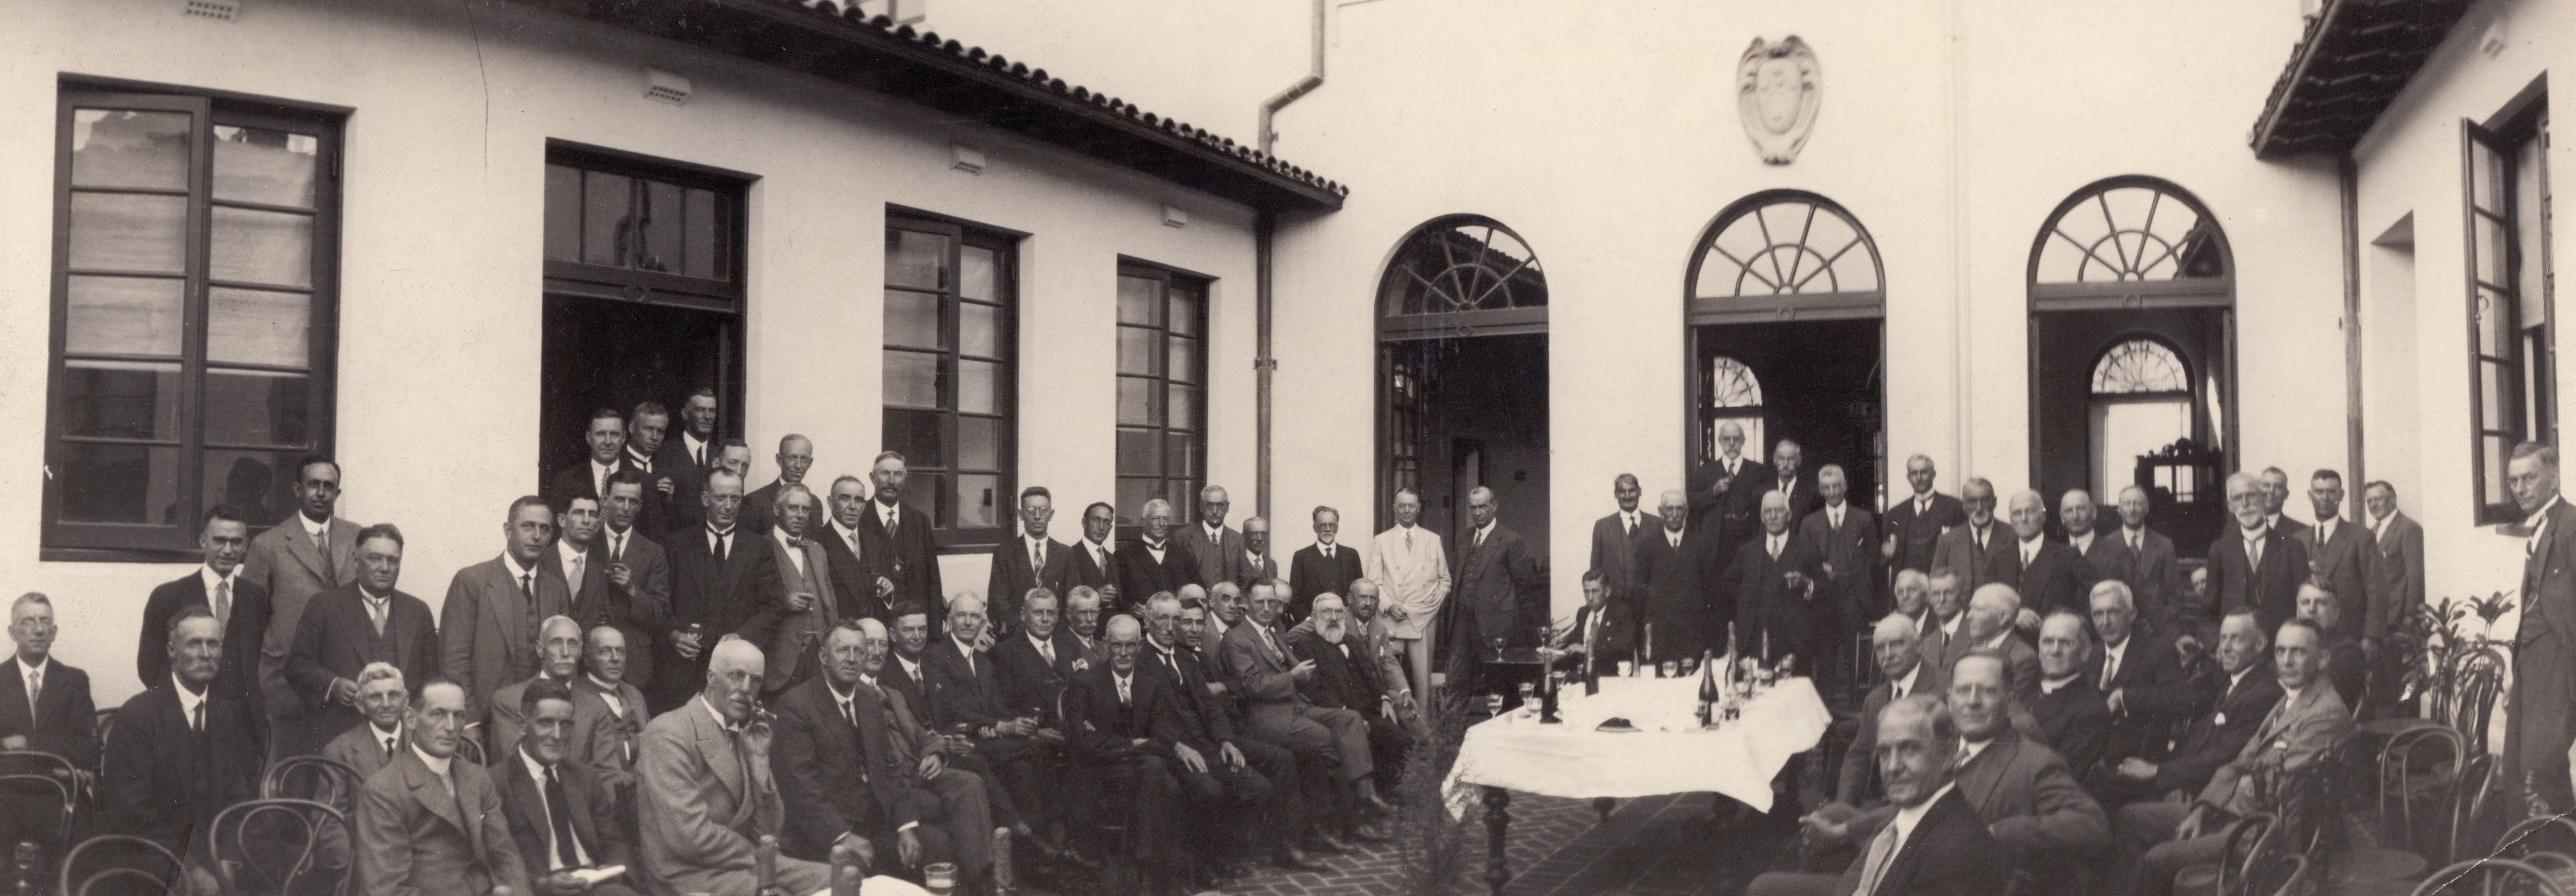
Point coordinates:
[(385, 700), (1373, 630), (2345, 664), (2071, 716), (1348, 677), (1126, 736), (1945, 618), (1991, 614), (2229, 698), (411, 835), (561, 816), (842, 783), (558, 658), (2309, 719), (1082, 624), (965, 694), (44, 707), (1902, 673), (1243, 793), (2141, 675), (1036, 659), (181, 752), (1257, 662), (1935, 843), (704, 773), (608, 715)]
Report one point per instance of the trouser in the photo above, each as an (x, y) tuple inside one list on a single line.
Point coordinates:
[(1004, 811), (1308, 793), (1027, 769), (1792, 883), (1388, 742), (953, 803), (2544, 685), (1224, 802), (1144, 782), (2151, 856), (1417, 662)]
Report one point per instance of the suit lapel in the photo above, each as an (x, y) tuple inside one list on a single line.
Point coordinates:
[(432, 795), (717, 747), (13, 697)]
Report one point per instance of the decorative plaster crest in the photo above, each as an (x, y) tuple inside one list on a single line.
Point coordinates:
[(1777, 90)]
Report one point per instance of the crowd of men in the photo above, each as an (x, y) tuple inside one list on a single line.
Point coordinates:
[(659, 668)]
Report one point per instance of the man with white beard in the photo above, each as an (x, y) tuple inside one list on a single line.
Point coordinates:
[(1348, 677)]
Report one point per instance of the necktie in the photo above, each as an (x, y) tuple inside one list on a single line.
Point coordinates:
[(1264, 632), (528, 586), (600, 474), (1774, 547), (1981, 540), (1895, 691), (724, 541), (376, 613), (389, 748), (2254, 552), (197, 716), (617, 546), (1882, 853), (890, 520), (1328, 552), (1125, 696), (1047, 649), (1408, 541), (1480, 538), (849, 713), (2110, 667), (35, 686), (322, 546), (576, 571), (559, 812), (1632, 528), (223, 602)]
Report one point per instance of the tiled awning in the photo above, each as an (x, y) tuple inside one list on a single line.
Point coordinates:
[(2355, 58)]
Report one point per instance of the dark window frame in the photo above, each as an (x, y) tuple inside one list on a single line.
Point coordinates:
[(655, 287), (2527, 362), (1184, 498), (949, 536), (175, 539)]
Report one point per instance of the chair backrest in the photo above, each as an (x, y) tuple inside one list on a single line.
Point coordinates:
[(2416, 770), (2249, 840), (313, 778), (27, 790), (2477, 676), (118, 865), (2490, 876), (106, 724), (2538, 834), (2276, 874), (280, 846), (470, 748), (2469, 806)]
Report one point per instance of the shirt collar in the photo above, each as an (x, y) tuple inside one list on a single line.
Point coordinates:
[(840, 696), (1488, 528), (2120, 650), (718, 714), (516, 571), (207, 573), (869, 680), (1907, 683), (2537, 517), (566, 550), (593, 678), (187, 700), (536, 769), (1030, 541), (2049, 687), (1215, 533), (23, 668), (600, 469), (438, 765), (780, 534), (1908, 817), (311, 528), (639, 458), (1968, 749), (2232, 680), (963, 647), (381, 734)]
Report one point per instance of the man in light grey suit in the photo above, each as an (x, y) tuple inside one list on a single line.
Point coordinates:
[(487, 632), (804, 567), (430, 823), (1967, 551), (705, 770), (1256, 658), (386, 701), (316, 553), (1211, 542), (2399, 573), (1407, 561), (558, 658)]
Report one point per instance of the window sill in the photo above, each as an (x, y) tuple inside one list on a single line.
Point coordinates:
[(118, 555)]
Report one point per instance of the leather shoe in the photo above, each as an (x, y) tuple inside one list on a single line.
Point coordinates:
[(1367, 833), (1372, 803), (1323, 842)]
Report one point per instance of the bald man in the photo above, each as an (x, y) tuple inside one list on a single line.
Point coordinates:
[(1896, 644), (1157, 561), (705, 771), (2049, 575), (559, 648), (1989, 626), (1679, 567), (1500, 596), (1773, 585)]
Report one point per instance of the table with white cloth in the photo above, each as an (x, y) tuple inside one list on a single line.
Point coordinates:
[(1668, 753)]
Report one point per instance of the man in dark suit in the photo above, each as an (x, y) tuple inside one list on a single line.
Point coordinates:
[(899, 535), (1211, 543), (1773, 583), (2255, 565), (2048, 575), (795, 457), (2072, 717), (2339, 555), (1614, 548), (855, 583), (2139, 674), (432, 822), (2276, 495), (1597, 641), (1499, 598), (346, 628), (1124, 731), (561, 817), (2398, 571), (687, 460), (488, 626), (1681, 607), (44, 707), (182, 751), (240, 607), (2144, 559), (1915, 525), (646, 428), (1155, 562), (1849, 591), (806, 608), (2345, 666), (1036, 659), (719, 580), (1976, 545), (2544, 657), (637, 600), (1095, 561), (1895, 644), (844, 780), (2106, 556), (965, 694), (1324, 567), (1030, 561), (573, 559), (1254, 564), (907, 671), (606, 439), (1789, 477), (2228, 697), (1935, 843), (1989, 628), (1263, 806), (385, 700), (1726, 493), (1348, 677), (292, 563)]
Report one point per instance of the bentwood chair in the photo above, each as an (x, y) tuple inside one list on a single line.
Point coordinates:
[(121, 865), (2490, 877), (281, 847)]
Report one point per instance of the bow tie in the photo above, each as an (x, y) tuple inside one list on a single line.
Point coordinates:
[(797, 543)]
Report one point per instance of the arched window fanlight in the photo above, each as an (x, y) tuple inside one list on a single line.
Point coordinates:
[(2139, 366), (2131, 242), (1732, 385), (1463, 272), (1783, 254)]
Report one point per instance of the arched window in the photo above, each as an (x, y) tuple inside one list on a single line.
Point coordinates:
[(1735, 395), (2143, 407), (1462, 275), (1785, 254), (2131, 242)]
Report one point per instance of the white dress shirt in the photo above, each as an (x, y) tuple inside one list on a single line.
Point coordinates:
[(188, 700), (228, 584), (546, 825), (795, 553), (573, 559)]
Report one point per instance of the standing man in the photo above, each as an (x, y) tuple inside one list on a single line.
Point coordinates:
[(2544, 656), (569, 558), (1211, 543), (1916, 524), (606, 439), (1969, 549), (1255, 563), (291, 564), (2048, 575), (1095, 561), (1725, 494), (1678, 569), (705, 766), (488, 627), (806, 608), (735, 455), (1156, 562), (1031, 561), (240, 608), (2339, 555), (1410, 565), (687, 460), (906, 557), (2400, 565), (795, 456), (1499, 597), (2276, 495), (645, 429), (639, 575), (431, 823), (183, 751), (2256, 566), (1845, 537), (854, 578), (1614, 545), (1773, 583), (348, 627), (1321, 568), (561, 816), (1788, 477), (708, 566), (2147, 565)]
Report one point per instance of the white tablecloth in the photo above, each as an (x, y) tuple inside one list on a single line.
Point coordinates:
[(1671, 755)]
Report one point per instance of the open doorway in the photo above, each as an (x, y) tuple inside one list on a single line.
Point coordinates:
[(605, 353), (1481, 420), (1818, 383)]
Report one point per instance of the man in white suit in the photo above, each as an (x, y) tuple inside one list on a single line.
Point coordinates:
[(1408, 564)]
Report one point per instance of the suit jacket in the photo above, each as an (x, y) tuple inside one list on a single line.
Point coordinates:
[(63, 721), (415, 839), (1309, 574), (2272, 592), (2549, 578), (1099, 729), (1206, 719), (722, 597), (2152, 572), (283, 563), (654, 518), (1340, 681), (1141, 577), (716, 798), (914, 691), (1918, 535), (2156, 693), (1260, 675), (787, 637), (1858, 785), (688, 480), (1849, 587), (1614, 641), (1730, 506), (2073, 720), (1500, 593), (756, 508), (1214, 558), (1012, 578), (1614, 554), (2300, 726), (2222, 722), (1803, 499), (488, 629), (2057, 578), (962, 691), (827, 784), (2349, 668), (1243, 572), (1089, 573), (164, 781), (1031, 683), (1948, 854), (642, 609), (2030, 802), (1412, 571), (2342, 565), (1683, 597), (1764, 604), (1956, 553), (238, 677), (909, 558), (595, 822), (602, 739), (578, 481), (360, 750), (2399, 575), (337, 638)]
